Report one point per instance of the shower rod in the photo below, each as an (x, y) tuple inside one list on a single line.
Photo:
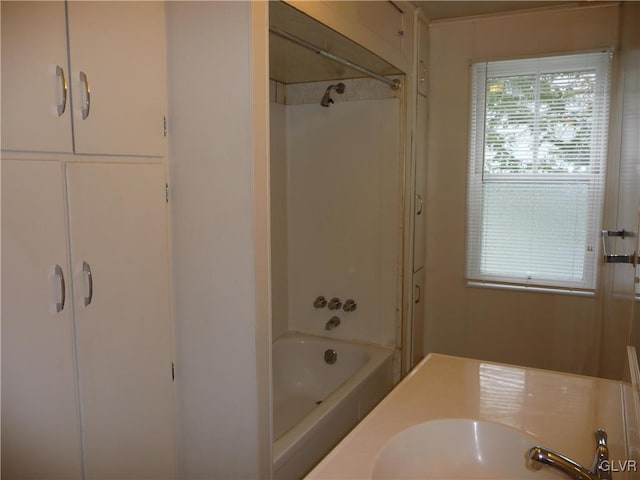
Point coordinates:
[(394, 84)]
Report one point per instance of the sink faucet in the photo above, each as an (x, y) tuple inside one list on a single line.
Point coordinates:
[(540, 456), (333, 323)]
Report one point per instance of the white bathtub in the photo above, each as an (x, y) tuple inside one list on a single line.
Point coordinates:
[(315, 404)]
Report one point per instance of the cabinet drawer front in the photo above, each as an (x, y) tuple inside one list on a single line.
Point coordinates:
[(34, 45), (119, 50)]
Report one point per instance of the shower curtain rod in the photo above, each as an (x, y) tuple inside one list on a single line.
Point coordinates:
[(394, 84)]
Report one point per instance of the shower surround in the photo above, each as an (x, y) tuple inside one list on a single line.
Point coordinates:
[(336, 184)]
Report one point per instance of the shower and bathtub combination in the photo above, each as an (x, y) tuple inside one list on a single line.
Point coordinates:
[(332, 233), (318, 396), (336, 243)]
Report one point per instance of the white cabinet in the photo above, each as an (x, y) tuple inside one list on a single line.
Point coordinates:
[(119, 280), (423, 57), (420, 137), (40, 412), (386, 19), (119, 253), (117, 51), (417, 318), (36, 113), (115, 80), (385, 28)]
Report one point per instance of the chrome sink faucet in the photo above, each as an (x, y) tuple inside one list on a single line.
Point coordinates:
[(540, 456)]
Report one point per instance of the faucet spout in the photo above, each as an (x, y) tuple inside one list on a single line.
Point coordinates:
[(332, 323), (539, 456)]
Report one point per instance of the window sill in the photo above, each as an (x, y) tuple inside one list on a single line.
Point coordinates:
[(533, 289)]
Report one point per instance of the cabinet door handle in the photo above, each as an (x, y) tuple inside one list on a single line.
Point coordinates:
[(419, 204), (86, 268), (63, 293), (65, 89), (418, 294), (87, 95)]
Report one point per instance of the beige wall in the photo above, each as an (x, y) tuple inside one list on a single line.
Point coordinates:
[(535, 329), (218, 121)]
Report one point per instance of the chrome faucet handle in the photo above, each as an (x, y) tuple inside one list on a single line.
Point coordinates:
[(335, 304), (601, 457), (349, 305), (320, 302)]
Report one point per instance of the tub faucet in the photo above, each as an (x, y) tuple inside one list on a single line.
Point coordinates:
[(320, 302), (540, 456), (335, 304), (333, 323)]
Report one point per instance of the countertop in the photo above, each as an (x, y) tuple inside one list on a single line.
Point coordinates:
[(561, 411)]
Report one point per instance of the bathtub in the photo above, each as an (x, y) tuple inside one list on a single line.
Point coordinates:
[(315, 403)]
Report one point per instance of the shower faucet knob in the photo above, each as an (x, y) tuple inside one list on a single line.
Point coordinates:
[(320, 302), (349, 305), (335, 304)]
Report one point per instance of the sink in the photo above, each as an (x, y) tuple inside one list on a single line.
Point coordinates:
[(458, 449)]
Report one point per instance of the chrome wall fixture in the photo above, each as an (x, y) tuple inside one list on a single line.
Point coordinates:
[(349, 305), (320, 302), (330, 356), (335, 304), (394, 84), (326, 98), (332, 323)]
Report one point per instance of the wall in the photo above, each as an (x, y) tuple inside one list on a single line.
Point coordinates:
[(341, 213), (218, 151), (534, 329), (629, 161)]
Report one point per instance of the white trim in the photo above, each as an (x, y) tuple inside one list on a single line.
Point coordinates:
[(524, 11), (611, 49), (536, 289)]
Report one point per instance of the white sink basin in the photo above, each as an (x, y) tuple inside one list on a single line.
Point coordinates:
[(458, 449)]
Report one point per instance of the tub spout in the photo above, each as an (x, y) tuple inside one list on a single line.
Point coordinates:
[(333, 323)]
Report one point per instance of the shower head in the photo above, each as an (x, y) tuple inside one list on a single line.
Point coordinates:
[(326, 98)]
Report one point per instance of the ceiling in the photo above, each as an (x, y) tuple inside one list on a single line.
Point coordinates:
[(440, 10)]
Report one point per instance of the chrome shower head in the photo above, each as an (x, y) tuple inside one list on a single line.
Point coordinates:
[(326, 98)]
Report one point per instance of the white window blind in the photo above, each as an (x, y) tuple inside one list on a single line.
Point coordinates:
[(536, 170)]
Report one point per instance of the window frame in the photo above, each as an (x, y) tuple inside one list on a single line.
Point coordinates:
[(595, 178)]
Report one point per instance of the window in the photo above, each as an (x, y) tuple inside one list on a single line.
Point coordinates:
[(536, 170)]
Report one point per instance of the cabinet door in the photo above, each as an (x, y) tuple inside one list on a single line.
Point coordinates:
[(120, 257), (423, 58), (119, 49), (35, 115), (40, 416), (418, 313), (420, 212)]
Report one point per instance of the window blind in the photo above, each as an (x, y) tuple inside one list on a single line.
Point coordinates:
[(536, 170)]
